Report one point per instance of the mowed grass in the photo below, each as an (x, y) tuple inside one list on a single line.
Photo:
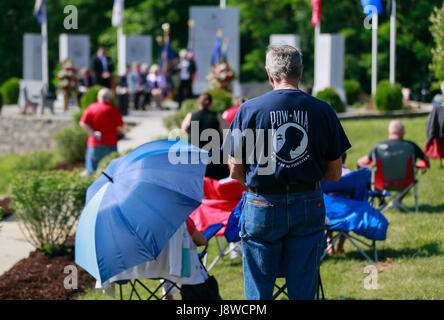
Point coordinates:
[(411, 259)]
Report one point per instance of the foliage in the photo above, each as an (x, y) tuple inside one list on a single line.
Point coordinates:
[(103, 164), (175, 120), (353, 90), (332, 97), (38, 161), (387, 97), (437, 30), (67, 78), (10, 90), (71, 144), (221, 100), (89, 97), (257, 22), (48, 205)]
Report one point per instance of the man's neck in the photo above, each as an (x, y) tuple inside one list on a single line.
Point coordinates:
[(286, 84)]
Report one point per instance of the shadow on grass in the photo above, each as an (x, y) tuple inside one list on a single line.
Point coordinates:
[(427, 250)]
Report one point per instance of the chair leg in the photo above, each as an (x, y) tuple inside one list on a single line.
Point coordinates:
[(359, 248), (375, 251), (416, 197)]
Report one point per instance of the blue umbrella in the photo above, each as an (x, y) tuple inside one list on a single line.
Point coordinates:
[(137, 205)]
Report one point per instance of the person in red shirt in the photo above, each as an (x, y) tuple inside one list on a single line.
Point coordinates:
[(102, 121), (229, 114)]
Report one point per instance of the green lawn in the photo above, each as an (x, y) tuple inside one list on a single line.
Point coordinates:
[(411, 258)]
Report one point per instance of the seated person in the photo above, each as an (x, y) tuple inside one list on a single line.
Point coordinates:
[(340, 248), (200, 240), (438, 100), (156, 84), (396, 131)]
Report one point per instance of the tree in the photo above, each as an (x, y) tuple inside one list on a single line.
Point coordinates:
[(437, 30)]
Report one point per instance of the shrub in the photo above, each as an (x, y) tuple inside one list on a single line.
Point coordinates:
[(353, 90), (388, 98), (48, 205), (39, 161), (332, 97), (175, 120), (221, 100), (10, 90), (71, 144), (89, 97)]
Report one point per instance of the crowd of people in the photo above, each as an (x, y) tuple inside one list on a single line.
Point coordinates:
[(142, 85)]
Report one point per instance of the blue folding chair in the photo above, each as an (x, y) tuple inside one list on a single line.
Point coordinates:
[(348, 207)]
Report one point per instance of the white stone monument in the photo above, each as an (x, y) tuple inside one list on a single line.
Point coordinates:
[(76, 48), (135, 48), (32, 56), (207, 20), (329, 64), (288, 39)]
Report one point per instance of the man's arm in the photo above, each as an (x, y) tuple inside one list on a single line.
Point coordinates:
[(364, 162), (186, 122), (237, 170), (333, 170), (95, 134)]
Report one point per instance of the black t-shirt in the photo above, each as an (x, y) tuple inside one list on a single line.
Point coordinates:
[(419, 154), (299, 133)]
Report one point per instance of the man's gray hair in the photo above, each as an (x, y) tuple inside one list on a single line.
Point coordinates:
[(104, 95), (283, 62)]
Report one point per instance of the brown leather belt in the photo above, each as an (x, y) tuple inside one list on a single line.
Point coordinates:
[(290, 188)]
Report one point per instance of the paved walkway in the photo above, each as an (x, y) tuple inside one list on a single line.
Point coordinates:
[(148, 125)]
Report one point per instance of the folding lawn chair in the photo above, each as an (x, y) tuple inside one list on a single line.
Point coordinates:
[(221, 197), (348, 208), (150, 270), (394, 170)]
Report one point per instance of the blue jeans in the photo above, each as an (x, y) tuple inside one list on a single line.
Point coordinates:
[(95, 154), (282, 236)]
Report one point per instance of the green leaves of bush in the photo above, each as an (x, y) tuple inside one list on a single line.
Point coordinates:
[(10, 91), (48, 205), (332, 97), (353, 90), (71, 144), (388, 98)]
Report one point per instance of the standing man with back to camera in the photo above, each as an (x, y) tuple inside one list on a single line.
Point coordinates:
[(283, 216)]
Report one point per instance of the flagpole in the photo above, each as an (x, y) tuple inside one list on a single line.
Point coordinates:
[(223, 4), (44, 31), (120, 45), (393, 43), (374, 52)]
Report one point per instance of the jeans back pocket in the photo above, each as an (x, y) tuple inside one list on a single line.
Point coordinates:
[(315, 214), (258, 218)]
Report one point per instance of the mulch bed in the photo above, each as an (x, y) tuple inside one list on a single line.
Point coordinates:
[(4, 204), (40, 277)]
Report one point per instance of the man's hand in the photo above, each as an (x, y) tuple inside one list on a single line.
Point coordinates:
[(97, 135)]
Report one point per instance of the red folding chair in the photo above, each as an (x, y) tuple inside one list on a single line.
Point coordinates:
[(394, 169)]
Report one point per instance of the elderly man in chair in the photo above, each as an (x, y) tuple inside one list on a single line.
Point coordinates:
[(396, 131)]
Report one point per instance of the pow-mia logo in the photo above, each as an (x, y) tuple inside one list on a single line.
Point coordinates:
[(290, 139)]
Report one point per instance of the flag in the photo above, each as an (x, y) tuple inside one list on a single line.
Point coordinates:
[(217, 52), (316, 16), (166, 58), (40, 10), (376, 3), (117, 12)]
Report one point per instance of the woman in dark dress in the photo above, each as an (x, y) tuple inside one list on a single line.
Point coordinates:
[(207, 120)]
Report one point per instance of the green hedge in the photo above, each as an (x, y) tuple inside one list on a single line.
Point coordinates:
[(388, 98), (38, 161), (175, 120), (71, 144), (353, 90), (10, 90), (48, 205), (332, 97), (221, 100), (89, 97)]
